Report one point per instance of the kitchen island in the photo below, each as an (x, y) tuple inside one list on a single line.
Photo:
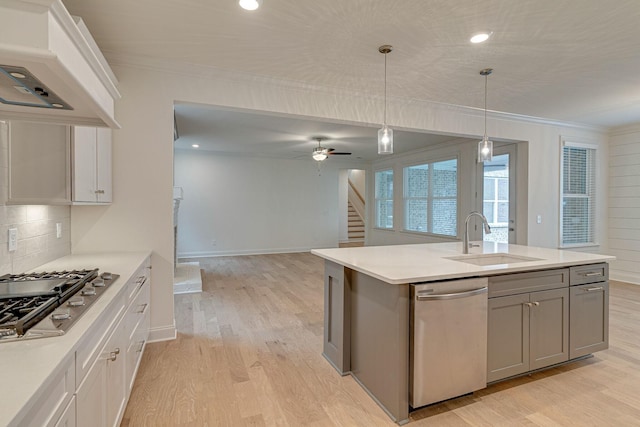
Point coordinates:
[(370, 297)]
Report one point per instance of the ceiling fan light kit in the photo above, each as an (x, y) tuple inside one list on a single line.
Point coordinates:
[(485, 147), (319, 154), (385, 134)]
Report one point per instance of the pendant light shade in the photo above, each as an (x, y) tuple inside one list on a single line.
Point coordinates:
[(485, 147), (385, 134), (385, 140)]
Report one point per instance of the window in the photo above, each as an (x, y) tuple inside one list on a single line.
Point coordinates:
[(577, 210), (431, 198), (384, 198)]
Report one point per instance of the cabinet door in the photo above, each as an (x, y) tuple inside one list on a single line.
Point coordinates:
[(588, 319), (39, 168), (84, 164), (101, 396), (103, 165), (549, 327), (508, 345), (68, 417), (91, 403), (115, 349)]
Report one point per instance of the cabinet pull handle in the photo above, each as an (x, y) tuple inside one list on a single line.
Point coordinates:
[(528, 304), (599, 288), (593, 274), (112, 356), (536, 303), (99, 191), (143, 309)]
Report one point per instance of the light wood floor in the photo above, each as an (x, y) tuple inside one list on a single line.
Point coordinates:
[(249, 348)]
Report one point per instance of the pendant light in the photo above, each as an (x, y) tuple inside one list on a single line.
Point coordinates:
[(385, 134), (485, 147)]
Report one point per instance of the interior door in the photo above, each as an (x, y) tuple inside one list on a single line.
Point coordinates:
[(496, 195)]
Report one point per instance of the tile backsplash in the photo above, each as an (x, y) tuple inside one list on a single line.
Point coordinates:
[(37, 240)]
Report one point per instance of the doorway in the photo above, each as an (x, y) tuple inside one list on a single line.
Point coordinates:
[(497, 182)]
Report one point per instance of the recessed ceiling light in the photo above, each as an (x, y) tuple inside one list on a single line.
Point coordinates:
[(195, 145), (18, 75), (480, 37), (55, 104), (250, 4)]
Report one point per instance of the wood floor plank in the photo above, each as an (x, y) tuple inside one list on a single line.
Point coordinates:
[(249, 353)]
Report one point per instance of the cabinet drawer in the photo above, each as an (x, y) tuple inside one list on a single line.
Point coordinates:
[(518, 283), (91, 346), (592, 273), (141, 277), (135, 349), (51, 406), (139, 308)]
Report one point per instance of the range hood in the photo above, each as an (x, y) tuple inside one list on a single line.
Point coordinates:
[(51, 68)]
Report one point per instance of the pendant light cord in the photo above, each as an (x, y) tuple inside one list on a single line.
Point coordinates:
[(385, 89), (486, 78)]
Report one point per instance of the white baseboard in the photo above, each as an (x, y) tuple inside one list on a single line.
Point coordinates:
[(163, 333), (207, 254), (624, 277)]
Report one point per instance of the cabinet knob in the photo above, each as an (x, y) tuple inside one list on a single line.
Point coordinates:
[(112, 356), (528, 304)]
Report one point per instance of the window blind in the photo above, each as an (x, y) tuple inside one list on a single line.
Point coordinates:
[(578, 195)]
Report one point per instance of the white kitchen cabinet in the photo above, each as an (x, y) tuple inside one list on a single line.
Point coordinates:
[(68, 417), (39, 164), (91, 148), (137, 319), (101, 396)]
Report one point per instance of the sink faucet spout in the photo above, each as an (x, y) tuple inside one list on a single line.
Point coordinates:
[(465, 243)]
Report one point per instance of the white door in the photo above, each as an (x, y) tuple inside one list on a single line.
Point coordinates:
[(497, 194)]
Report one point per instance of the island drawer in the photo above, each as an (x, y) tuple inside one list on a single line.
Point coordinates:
[(592, 273), (532, 281)]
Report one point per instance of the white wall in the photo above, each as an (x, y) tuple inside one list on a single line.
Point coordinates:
[(624, 204), (141, 215), (254, 204)]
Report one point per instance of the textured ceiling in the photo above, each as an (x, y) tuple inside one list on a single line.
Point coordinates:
[(568, 60)]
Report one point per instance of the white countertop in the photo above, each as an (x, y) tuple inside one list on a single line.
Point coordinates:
[(28, 366), (398, 264)]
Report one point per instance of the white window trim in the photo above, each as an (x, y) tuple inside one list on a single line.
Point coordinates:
[(375, 200), (572, 143), (438, 159)]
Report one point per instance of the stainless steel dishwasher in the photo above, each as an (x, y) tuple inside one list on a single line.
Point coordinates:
[(448, 340)]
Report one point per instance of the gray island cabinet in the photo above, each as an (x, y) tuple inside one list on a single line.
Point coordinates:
[(544, 307)]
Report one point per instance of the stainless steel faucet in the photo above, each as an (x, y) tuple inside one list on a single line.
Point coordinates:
[(465, 243)]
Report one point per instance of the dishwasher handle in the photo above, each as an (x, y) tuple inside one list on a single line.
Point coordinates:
[(426, 296)]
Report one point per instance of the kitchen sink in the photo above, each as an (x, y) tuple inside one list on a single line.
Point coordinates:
[(492, 259)]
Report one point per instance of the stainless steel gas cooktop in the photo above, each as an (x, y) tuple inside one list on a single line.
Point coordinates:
[(38, 305)]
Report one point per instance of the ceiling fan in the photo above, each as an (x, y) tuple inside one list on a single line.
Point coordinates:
[(320, 153)]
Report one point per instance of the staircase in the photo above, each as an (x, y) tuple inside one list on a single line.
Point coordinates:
[(355, 228)]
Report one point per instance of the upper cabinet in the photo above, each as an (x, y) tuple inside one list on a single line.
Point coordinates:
[(91, 162), (57, 164), (51, 68), (39, 164)]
